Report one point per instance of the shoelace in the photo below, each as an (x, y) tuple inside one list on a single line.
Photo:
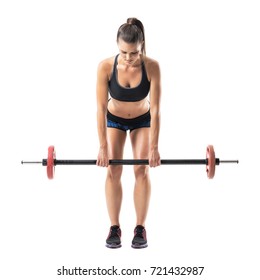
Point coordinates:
[(114, 232), (139, 232)]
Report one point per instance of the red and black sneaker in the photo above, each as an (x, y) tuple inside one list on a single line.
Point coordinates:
[(139, 240), (113, 240)]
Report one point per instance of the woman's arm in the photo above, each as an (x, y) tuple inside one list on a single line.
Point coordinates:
[(102, 99), (155, 99)]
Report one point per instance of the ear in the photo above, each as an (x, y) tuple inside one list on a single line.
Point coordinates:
[(142, 46)]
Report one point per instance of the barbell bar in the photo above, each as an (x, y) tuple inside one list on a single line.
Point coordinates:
[(211, 161)]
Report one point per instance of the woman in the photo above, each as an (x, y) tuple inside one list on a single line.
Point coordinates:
[(129, 77)]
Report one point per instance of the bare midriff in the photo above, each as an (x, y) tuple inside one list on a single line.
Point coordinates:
[(128, 110)]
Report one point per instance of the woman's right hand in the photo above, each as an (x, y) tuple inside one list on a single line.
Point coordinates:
[(103, 159)]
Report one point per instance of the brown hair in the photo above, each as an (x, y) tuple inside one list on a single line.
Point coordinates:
[(132, 32)]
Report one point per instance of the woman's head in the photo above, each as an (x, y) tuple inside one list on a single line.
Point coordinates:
[(132, 32)]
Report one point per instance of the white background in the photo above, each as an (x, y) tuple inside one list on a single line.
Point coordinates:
[(209, 57)]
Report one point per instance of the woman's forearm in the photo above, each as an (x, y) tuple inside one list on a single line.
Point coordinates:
[(101, 127), (154, 130)]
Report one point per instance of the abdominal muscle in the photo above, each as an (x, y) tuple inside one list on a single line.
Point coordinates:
[(128, 110)]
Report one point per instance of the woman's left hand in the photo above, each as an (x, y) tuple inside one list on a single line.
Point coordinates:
[(154, 157)]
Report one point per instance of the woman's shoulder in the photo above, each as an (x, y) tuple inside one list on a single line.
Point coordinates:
[(106, 63), (152, 66), (150, 60)]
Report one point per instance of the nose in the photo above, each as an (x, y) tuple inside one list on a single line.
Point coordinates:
[(128, 56)]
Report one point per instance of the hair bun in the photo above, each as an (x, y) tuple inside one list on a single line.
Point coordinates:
[(132, 21)]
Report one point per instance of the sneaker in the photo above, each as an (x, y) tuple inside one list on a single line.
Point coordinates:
[(139, 240), (113, 240)]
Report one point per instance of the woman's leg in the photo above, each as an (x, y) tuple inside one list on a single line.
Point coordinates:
[(142, 191), (116, 142)]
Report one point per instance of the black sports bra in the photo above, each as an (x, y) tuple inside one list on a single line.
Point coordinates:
[(121, 93)]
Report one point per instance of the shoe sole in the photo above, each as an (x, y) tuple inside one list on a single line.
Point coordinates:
[(113, 246), (138, 246)]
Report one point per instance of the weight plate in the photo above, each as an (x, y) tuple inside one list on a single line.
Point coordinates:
[(210, 167), (50, 162)]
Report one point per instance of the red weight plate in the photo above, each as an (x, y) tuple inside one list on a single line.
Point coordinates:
[(210, 168), (50, 162)]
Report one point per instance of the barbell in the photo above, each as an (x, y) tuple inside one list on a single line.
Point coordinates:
[(211, 161)]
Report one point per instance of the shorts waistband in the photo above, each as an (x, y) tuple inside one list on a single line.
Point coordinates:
[(145, 117)]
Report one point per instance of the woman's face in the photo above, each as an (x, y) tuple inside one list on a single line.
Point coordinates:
[(130, 53)]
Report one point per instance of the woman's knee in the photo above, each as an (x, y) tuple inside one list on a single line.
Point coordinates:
[(114, 172), (141, 171)]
